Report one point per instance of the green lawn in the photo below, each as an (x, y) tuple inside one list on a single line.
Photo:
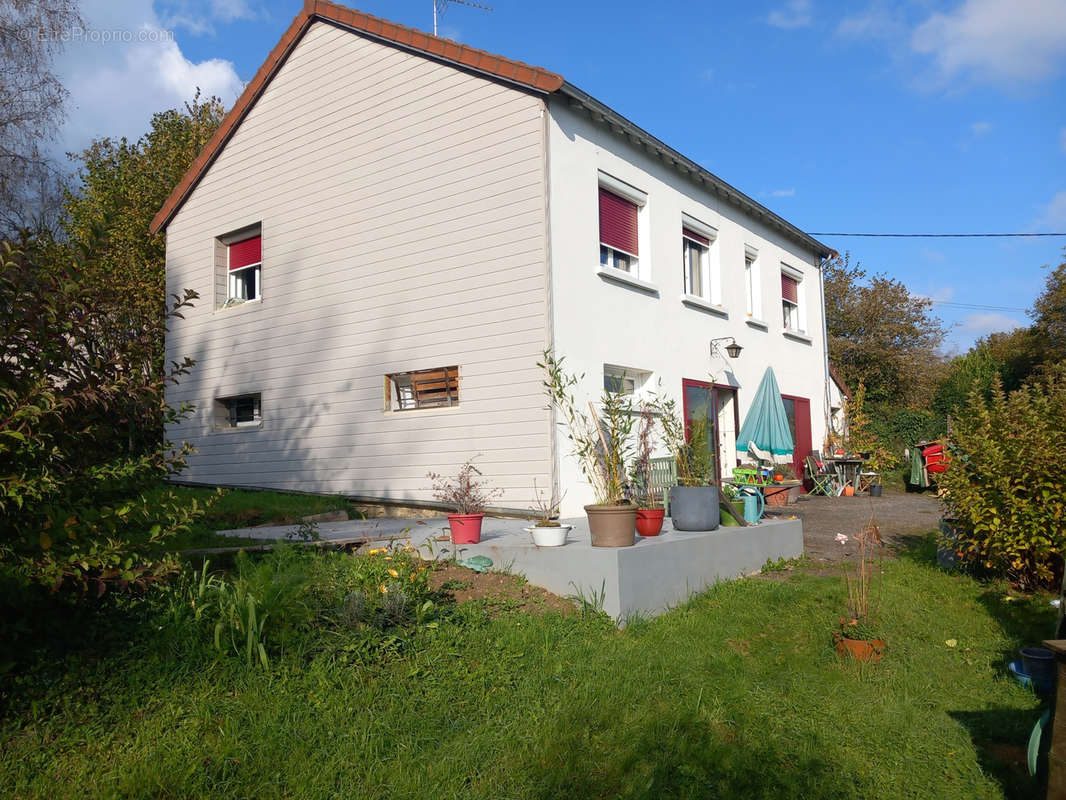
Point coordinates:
[(736, 694)]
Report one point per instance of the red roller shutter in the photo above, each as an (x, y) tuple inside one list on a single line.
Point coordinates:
[(790, 289), (618, 222), (243, 253), (696, 237)]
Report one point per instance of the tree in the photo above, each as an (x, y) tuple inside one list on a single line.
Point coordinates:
[(881, 335), (1049, 316), (120, 188), (78, 500), (31, 102)]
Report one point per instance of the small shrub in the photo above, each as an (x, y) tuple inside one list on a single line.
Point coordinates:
[(467, 493), (1006, 482)]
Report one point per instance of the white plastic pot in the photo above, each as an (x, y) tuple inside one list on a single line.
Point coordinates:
[(549, 537)]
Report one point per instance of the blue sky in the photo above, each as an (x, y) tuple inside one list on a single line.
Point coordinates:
[(919, 116)]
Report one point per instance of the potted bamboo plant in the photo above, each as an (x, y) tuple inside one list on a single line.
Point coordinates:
[(650, 510), (600, 441), (547, 531), (857, 637), (694, 501), (469, 495)]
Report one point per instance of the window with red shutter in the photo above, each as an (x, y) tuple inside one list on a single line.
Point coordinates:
[(619, 236), (244, 262), (790, 307)]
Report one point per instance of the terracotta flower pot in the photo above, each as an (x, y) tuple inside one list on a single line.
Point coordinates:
[(650, 521), (466, 528), (612, 526), (775, 497), (849, 491), (866, 650)]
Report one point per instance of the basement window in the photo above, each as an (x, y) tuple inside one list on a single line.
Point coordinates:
[(424, 388), (244, 411)]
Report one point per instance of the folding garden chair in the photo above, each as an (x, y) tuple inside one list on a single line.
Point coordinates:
[(824, 482), (663, 479)]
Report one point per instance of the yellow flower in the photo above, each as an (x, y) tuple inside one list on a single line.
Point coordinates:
[(421, 569), (374, 552), (394, 573), (412, 577), (383, 589), (388, 558)]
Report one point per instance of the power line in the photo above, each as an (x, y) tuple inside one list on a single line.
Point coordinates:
[(939, 235), (975, 306)]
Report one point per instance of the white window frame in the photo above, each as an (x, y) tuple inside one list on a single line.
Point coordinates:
[(800, 312), (752, 284), (637, 378), (639, 266), (226, 419), (710, 269), (231, 280)]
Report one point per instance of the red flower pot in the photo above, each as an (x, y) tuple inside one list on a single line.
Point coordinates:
[(650, 521), (466, 528)]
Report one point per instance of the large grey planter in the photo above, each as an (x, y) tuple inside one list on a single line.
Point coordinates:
[(694, 508)]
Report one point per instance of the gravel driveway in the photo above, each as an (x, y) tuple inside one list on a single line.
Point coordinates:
[(900, 516)]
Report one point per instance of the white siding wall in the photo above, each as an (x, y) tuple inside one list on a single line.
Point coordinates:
[(403, 222), (598, 321)]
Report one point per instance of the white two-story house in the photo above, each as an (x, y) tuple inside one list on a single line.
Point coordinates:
[(389, 229)]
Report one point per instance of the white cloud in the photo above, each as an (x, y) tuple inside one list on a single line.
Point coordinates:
[(991, 41), (783, 193), (980, 128), (982, 323), (198, 17), (793, 14), (116, 86), (1053, 215), (875, 22)]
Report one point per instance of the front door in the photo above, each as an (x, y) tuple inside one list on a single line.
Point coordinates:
[(699, 403), (798, 411), (718, 405)]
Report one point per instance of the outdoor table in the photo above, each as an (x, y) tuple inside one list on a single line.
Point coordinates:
[(776, 487), (847, 469)]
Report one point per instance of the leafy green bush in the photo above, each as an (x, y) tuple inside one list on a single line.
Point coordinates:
[(1006, 482), (81, 451)]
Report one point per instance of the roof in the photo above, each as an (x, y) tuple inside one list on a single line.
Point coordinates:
[(531, 78), (844, 390)]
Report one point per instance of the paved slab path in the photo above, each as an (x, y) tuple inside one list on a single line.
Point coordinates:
[(902, 517)]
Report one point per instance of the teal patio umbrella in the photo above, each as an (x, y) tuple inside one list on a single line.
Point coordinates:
[(765, 431)]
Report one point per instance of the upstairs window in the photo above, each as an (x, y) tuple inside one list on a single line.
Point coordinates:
[(425, 388), (790, 302), (245, 262), (619, 245), (751, 283), (695, 249)]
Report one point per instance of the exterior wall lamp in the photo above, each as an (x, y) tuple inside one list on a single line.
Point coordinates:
[(732, 349)]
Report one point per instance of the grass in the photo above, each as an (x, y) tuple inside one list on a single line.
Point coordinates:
[(737, 693), (240, 508)]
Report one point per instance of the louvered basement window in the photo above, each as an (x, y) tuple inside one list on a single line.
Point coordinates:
[(425, 388)]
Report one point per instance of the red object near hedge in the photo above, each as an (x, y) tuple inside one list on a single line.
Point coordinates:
[(936, 459)]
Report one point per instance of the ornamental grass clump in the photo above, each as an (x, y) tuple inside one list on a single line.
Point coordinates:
[(600, 439), (695, 462), (859, 580)]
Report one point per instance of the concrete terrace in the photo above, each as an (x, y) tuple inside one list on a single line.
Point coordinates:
[(648, 578)]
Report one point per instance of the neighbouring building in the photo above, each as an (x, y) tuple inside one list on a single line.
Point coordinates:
[(389, 229)]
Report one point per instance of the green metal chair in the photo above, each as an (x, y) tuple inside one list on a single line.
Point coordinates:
[(663, 479), (824, 482)]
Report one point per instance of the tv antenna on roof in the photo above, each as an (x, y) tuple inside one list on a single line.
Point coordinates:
[(440, 6)]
